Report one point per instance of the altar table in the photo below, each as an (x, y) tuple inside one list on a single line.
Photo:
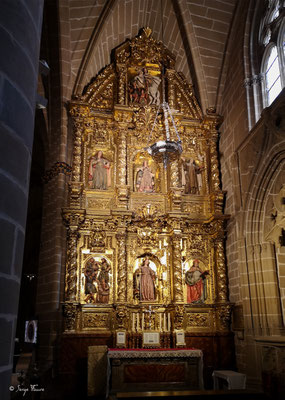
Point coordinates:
[(154, 369)]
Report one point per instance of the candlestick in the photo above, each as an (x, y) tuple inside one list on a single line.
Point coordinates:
[(160, 321), (164, 322), (143, 322), (133, 321)]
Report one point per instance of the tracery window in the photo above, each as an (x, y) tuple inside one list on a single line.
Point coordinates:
[(271, 39)]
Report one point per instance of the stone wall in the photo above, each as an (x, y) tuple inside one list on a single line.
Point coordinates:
[(252, 162), (20, 30)]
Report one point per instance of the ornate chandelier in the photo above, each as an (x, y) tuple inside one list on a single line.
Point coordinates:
[(165, 150)]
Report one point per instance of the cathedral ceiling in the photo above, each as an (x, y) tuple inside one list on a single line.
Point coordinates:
[(195, 31)]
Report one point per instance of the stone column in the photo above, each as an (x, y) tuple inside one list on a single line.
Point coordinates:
[(19, 22), (177, 268), (121, 268)]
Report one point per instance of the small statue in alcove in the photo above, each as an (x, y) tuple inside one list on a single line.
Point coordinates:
[(195, 280), (191, 176), (144, 179), (99, 172), (91, 272), (144, 282)]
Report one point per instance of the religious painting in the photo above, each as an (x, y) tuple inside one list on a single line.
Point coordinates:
[(99, 172), (146, 174), (144, 279), (144, 87), (97, 286), (196, 282), (191, 171)]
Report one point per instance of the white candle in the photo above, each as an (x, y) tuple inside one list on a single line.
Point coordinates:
[(164, 322), (133, 320), (143, 322), (138, 321), (168, 321), (160, 321)]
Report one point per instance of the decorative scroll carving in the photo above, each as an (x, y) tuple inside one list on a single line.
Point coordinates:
[(179, 316), (224, 314), (70, 314), (122, 317), (96, 320), (198, 320)]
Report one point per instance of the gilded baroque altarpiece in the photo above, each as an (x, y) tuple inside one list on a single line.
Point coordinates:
[(145, 244)]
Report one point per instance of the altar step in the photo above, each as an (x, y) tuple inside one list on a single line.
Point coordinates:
[(193, 395)]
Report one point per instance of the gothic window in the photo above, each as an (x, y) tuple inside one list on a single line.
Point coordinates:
[(272, 41), (272, 77)]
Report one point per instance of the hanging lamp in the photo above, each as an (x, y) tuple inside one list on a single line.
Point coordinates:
[(166, 150)]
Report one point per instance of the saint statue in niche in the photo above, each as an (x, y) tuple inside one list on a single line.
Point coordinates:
[(103, 283), (195, 280), (191, 176), (90, 272), (99, 172), (144, 88), (144, 282), (144, 179), (97, 281)]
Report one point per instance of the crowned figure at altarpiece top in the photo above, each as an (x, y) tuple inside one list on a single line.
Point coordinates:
[(99, 172), (144, 282)]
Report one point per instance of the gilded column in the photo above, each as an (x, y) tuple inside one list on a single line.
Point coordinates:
[(80, 114), (122, 268), (123, 117), (122, 95), (71, 265), (211, 123), (222, 289), (174, 174), (177, 269), (122, 156), (215, 178), (77, 149), (175, 187), (73, 220)]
